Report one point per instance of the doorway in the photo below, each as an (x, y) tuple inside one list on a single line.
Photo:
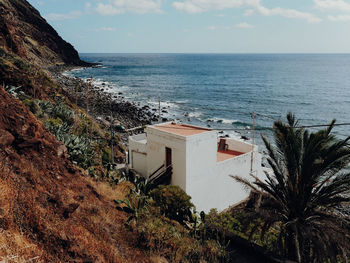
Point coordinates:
[(168, 157)]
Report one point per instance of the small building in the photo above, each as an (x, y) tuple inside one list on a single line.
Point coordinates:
[(201, 164)]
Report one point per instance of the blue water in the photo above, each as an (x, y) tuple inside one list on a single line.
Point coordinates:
[(221, 90)]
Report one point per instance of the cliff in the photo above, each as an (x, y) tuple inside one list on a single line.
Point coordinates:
[(24, 32)]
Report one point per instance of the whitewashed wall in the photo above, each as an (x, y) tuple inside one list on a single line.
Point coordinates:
[(201, 160), (138, 153), (195, 166), (157, 141), (239, 146)]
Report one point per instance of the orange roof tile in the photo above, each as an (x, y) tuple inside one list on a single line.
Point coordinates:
[(228, 154), (181, 129)]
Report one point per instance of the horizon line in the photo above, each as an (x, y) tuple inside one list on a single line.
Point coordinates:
[(225, 53)]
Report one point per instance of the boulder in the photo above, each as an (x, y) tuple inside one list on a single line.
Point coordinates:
[(6, 138)]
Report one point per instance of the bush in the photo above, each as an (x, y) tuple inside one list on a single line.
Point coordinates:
[(173, 202), (170, 239)]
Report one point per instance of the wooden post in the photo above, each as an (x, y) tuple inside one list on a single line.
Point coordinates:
[(158, 109), (253, 141)]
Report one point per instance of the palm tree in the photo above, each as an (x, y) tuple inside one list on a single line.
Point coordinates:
[(306, 198)]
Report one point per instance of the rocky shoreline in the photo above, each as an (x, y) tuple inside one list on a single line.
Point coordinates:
[(105, 107)]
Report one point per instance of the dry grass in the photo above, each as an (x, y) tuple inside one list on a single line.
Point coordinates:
[(49, 210)]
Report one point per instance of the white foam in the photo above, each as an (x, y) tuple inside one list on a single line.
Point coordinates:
[(195, 114), (221, 120)]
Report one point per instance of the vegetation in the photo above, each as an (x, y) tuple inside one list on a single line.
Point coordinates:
[(173, 202), (303, 200), (163, 220)]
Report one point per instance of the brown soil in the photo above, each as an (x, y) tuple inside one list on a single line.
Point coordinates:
[(49, 210)]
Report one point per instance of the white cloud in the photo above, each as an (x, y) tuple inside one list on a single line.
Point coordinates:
[(211, 27), (249, 12), (244, 25), (332, 5), (108, 10), (339, 18), (199, 6), (188, 7), (115, 7), (107, 29), (57, 17), (285, 12)]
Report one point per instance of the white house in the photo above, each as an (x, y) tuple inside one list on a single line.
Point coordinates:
[(201, 164)]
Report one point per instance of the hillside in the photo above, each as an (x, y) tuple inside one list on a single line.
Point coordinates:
[(49, 209), (24, 32)]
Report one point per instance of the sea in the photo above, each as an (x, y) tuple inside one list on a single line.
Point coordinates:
[(222, 91)]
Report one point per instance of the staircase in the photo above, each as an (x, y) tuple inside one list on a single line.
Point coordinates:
[(162, 176)]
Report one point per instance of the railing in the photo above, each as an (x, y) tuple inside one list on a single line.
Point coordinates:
[(163, 177), (156, 171)]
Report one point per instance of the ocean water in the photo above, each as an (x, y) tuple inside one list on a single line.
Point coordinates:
[(222, 90)]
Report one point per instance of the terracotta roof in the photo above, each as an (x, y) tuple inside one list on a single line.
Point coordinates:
[(181, 129), (228, 154)]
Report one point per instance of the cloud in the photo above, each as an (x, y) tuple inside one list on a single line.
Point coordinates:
[(339, 18), (244, 25), (58, 17), (212, 28), (107, 29), (115, 7), (200, 6), (249, 12), (285, 12), (332, 5)]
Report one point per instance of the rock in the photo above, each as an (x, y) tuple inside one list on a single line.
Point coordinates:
[(61, 150), (120, 93), (158, 259), (243, 137), (6, 138)]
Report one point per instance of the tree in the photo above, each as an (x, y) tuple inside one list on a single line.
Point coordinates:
[(306, 197)]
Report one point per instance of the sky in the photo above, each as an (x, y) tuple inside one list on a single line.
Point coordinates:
[(201, 26)]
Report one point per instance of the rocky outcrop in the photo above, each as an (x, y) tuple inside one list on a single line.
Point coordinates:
[(24, 32)]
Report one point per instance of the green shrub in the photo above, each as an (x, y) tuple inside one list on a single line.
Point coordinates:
[(78, 147), (170, 239), (106, 155), (173, 202), (134, 206)]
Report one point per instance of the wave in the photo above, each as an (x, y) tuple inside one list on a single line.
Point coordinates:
[(221, 120), (195, 114)]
